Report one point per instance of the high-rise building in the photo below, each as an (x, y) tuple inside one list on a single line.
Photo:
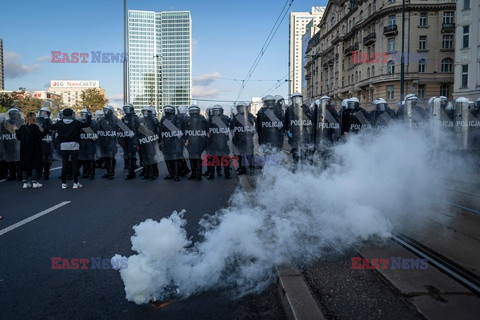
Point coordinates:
[(2, 77), (159, 58), (298, 27), (357, 50), (467, 65)]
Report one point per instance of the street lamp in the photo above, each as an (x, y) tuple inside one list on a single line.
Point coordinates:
[(156, 81), (125, 51), (402, 65)]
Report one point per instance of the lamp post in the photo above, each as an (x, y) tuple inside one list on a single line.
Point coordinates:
[(402, 65), (156, 81), (125, 51)]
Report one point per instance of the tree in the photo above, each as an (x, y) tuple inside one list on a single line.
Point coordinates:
[(29, 104), (6, 102), (92, 99)]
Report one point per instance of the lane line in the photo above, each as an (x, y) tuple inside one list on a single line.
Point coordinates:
[(57, 168), (3, 180), (36, 216), (136, 170)]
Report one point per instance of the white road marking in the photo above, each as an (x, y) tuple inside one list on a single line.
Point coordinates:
[(3, 180), (35, 216), (136, 170), (57, 168)]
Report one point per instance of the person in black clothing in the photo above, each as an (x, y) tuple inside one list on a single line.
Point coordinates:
[(195, 141), (69, 137), (243, 128), (30, 136)]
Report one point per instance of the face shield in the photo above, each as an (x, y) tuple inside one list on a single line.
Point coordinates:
[(270, 104), (83, 115), (352, 105), (297, 101), (128, 109), (241, 109), (217, 112), (107, 112), (14, 114), (43, 114), (194, 111), (382, 106), (146, 113)]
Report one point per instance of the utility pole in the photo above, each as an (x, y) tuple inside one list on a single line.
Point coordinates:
[(402, 66), (125, 51)]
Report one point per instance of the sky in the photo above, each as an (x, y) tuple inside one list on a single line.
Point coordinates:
[(227, 36)]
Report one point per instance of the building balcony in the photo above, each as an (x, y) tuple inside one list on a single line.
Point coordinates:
[(448, 27), (348, 50), (391, 30), (370, 39)]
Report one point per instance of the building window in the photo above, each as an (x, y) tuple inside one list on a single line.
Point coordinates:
[(392, 1), (390, 93), (466, 36), (422, 43), (448, 17), (421, 65), (447, 65), (444, 90), (466, 4), (421, 91), (391, 67), (391, 44), (392, 20), (464, 76), (423, 19), (447, 42)]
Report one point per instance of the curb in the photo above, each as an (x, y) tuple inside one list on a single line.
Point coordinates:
[(297, 300)]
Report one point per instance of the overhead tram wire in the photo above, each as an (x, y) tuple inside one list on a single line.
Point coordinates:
[(233, 79), (276, 85), (266, 44)]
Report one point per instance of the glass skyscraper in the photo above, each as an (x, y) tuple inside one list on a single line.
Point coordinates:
[(159, 58)]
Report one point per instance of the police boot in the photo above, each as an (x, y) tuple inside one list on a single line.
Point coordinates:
[(12, 172), (175, 167), (86, 169), (19, 171), (193, 173), (108, 165), (219, 171), (92, 170), (46, 170), (211, 172), (168, 163), (125, 164), (131, 169), (227, 173), (156, 173)]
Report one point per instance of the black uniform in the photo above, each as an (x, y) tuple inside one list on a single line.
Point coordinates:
[(88, 150), (47, 147), (354, 120), (172, 140), (219, 135), (148, 139), (128, 140), (299, 126), (107, 143), (270, 127), (196, 140), (243, 129)]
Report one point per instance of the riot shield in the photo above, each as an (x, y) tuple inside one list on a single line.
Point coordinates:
[(196, 134), (442, 126), (467, 125), (148, 141), (107, 138), (88, 143)]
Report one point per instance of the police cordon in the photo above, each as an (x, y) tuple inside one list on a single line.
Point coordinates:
[(217, 140)]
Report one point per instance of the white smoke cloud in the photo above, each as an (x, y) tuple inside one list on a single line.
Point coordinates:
[(369, 190)]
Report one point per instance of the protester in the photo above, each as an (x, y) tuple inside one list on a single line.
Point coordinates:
[(30, 136)]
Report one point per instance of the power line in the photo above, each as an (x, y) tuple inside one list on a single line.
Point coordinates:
[(267, 42), (233, 79), (276, 85)]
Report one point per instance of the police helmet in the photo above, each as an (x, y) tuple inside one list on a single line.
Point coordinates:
[(380, 104), (241, 106), (217, 110), (128, 109), (194, 110), (108, 111), (168, 110), (353, 103)]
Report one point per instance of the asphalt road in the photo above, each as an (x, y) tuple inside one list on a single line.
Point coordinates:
[(96, 221)]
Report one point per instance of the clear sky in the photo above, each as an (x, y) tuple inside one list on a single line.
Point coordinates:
[(227, 36)]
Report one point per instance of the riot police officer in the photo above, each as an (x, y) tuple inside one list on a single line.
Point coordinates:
[(382, 116), (182, 163), (107, 140), (148, 139), (269, 125), (88, 146), (326, 126), (128, 140), (243, 129), (195, 141), (44, 121), (299, 127), (172, 140), (411, 113), (354, 118), (11, 146), (219, 136)]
